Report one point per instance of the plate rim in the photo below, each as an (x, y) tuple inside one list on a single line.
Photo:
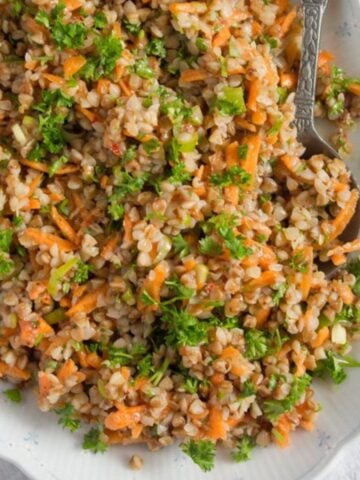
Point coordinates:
[(9, 453)]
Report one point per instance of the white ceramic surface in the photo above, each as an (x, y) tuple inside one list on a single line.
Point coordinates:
[(44, 451)]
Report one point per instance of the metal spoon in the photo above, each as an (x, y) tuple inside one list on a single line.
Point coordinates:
[(313, 11)]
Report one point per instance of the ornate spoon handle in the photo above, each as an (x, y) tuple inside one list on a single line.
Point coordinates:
[(305, 93)]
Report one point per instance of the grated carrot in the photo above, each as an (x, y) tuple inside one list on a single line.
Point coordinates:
[(40, 238), (94, 360), (282, 5), (261, 315), (286, 23), (66, 370), (31, 65), (322, 335), (187, 7), (33, 204), (89, 114), (153, 283), (231, 154), (73, 64), (42, 167), (127, 224), (88, 302), (281, 431), (266, 279), (125, 88), (116, 30), (102, 86), (344, 216), (78, 291), (217, 426), (73, 4), (217, 378), (110, 246), (288, 80), (193, 75), (235, 359), (250, 163), (65, 302), (45, 384), (338, 259), (53, 78), (236, 70), (324, 59), (345, 293), (346, 248), (35, 183), (256, 28), (221, 38), (254, 89), (30, 332), (258, 117), (354, 88), (14, 372), (64, 226), (231, 194), (124, 417)]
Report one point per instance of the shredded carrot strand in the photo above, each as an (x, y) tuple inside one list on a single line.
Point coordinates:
[(42, 167), (39, 238), (14, 372), (192, 75), (64, 226), (345, 215), (222, 37), (88, 302), (72, 65)]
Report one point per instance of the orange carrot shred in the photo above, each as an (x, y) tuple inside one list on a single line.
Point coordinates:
[(42, 238), (72, 65), (64, 226), (88, 302)]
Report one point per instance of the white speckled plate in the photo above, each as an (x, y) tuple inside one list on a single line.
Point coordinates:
[(44, 451)]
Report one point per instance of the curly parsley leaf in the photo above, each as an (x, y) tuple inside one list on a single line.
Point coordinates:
[(6, 236), (143, 69), (334, 366), (232, 176), (274, 408), (180, 246), (201, 452), (66, 417), (256, 344), (298, 263), (108, 50), (93, 442), (65, 35), (354, 268), (183, 328), (7, 266), (209, 246), (13, 394), (178, 291), (244, 447), (82, 272), (131, 27), (279, 293), (156, 47)]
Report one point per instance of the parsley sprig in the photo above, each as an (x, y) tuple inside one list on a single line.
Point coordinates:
[(274, 408), (67, 418), (201, 452)]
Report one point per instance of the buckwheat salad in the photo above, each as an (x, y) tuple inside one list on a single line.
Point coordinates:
[(160, 232)]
